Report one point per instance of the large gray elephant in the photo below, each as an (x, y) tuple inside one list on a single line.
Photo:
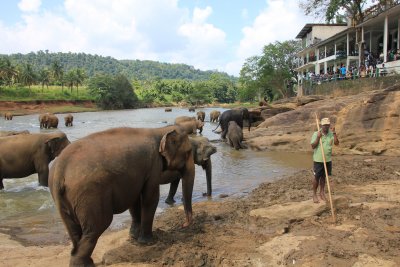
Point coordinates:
[(202, 150), (237, 115), (235, 135), (108, 172), (26, 154)]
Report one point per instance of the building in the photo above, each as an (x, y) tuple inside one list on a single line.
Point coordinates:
[(328, 47)]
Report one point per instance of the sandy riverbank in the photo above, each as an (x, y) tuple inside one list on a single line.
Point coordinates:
[(276, 225)]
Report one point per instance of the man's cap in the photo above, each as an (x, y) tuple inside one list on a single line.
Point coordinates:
[(325, 121)]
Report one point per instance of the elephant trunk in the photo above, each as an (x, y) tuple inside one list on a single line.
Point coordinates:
[(207, 166), (187, 189)]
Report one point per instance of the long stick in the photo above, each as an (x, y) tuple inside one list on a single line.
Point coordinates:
[(326, 172)]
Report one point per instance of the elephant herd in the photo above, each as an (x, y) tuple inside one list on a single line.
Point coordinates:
[(124, 171)]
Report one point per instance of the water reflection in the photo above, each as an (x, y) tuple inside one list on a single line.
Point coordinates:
[(28, 208)]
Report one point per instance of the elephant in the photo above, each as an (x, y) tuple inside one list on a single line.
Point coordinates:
[(43, 120), (202, 150), (68, 120), (191, 126), (108, 172), (168, 110), (8, 116), (26, 154), (8, 133), (192, 109), (214, 115), (235, 135), (183, 118), (201, 115), (237, 115), (52, 121)]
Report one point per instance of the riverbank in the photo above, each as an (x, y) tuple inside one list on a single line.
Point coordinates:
[(276, 225), (18, 108)]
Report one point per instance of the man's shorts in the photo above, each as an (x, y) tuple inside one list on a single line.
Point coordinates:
[(319, 170)]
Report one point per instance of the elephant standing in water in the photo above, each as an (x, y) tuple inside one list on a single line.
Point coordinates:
[(8, 116), (237, 115), (68, 119), (201, 115), (108, 172), (202, 150), (189, 124), (235, 135), (26, 154), (214, 115)]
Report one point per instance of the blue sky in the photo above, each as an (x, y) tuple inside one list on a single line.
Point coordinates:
[(209, 35)]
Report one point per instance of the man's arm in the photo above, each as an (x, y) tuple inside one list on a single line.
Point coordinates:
[(316, 142), (335, 138)]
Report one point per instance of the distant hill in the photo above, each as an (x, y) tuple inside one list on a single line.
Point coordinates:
[(132, 69)]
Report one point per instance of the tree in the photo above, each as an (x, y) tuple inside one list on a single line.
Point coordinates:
[(58, 73), (44, 77), (112, 92), (8, 72), (28, 75), (265, 75), (224, 90)]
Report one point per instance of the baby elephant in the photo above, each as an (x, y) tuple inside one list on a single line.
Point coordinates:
[(68, 120), (235, 135), (8, 116)]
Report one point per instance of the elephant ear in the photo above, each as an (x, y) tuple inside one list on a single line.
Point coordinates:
[(162, 149), (52, 143)]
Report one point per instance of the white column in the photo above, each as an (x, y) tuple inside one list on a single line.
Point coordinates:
[(398, 33), (325, 67), (385, 39)]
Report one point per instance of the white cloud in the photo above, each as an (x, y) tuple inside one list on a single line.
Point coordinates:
[(29, 5), (205, 42), (280, 21)]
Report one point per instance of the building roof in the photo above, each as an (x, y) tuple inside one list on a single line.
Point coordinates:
[(308, 27)]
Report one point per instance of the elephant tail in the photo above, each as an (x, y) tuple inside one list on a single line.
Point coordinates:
[(219, 123)]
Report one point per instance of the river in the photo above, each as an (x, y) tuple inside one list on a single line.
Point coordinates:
[(27, 210)]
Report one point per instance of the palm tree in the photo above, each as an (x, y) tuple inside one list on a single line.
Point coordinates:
[(8, 72), (28, 75), (80, 77), (58, 73), (70, 79), (44, 77)]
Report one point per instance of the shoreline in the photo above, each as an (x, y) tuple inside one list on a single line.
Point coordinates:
[(276, 224)]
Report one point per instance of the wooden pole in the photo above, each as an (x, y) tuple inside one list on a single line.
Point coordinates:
[(326, 173)]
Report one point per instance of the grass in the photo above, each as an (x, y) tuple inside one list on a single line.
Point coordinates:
[(36, 92)]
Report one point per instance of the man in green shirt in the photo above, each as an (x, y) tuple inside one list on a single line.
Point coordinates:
[(328, 137)]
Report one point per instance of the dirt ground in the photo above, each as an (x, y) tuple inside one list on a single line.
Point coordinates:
[(275, 225)]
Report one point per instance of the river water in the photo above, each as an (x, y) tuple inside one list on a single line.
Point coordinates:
[(27, 209)]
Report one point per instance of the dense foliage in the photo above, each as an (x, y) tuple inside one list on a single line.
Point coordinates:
[(272, 74), (94, 64), (112, 92)]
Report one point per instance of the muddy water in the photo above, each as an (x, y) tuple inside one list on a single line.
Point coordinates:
[(27, 210)]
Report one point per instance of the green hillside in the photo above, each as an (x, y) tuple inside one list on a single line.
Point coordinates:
[(132, 69)]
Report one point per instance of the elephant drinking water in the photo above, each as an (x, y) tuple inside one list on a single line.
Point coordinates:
[(202, 150)]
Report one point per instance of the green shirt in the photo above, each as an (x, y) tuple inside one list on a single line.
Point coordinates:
[(327, 142)]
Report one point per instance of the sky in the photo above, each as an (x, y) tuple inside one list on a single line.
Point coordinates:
[(207, 34)]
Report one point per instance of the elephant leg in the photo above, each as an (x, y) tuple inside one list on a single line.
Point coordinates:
[(43, 175), (224, 132), (1, 184), (94, 220), (150, 197), (135, 212), (172, 191)]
